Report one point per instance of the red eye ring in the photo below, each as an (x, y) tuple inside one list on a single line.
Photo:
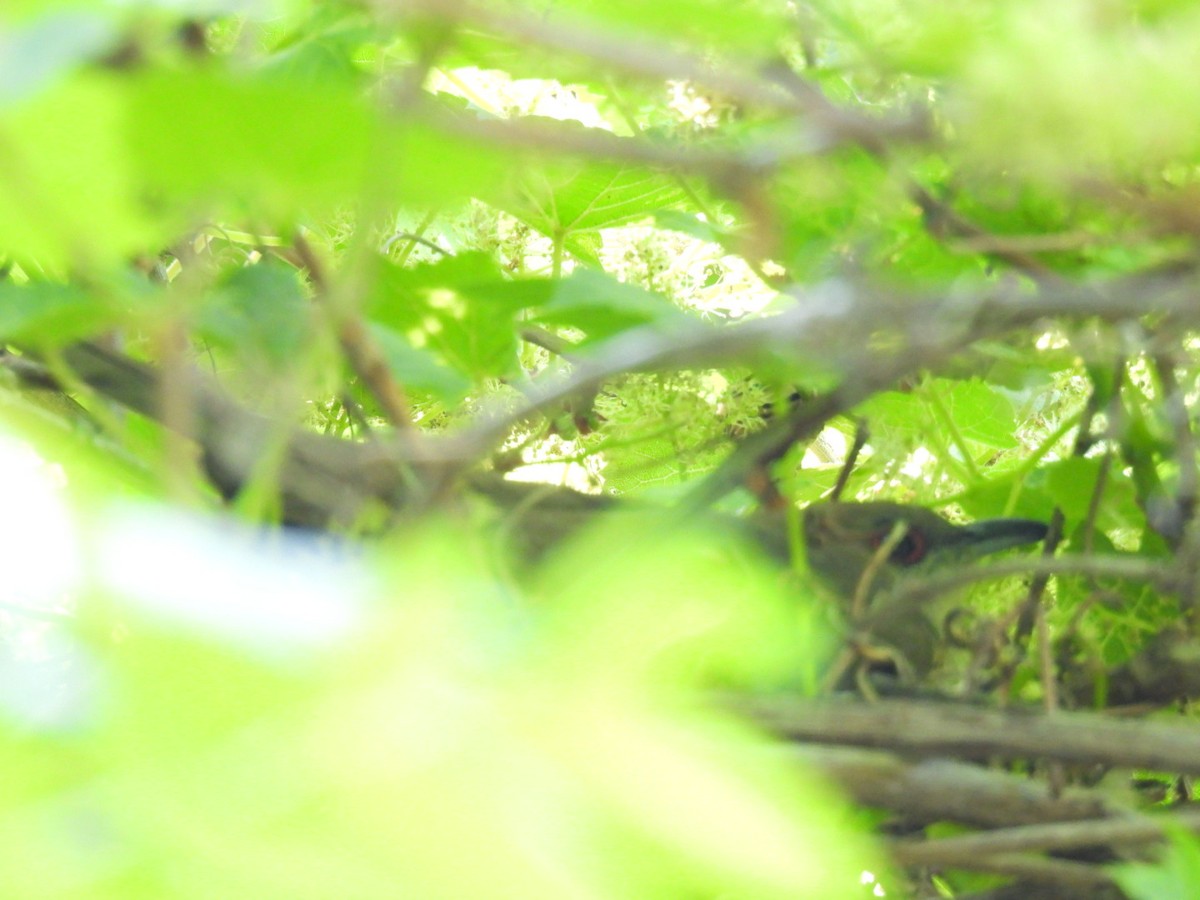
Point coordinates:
[(909, 551)]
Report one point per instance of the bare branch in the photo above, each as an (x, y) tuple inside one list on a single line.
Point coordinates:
[(943, 729), (964, 850), (945, 790)]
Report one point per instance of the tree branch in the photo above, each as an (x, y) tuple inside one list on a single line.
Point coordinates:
[(928, 729)]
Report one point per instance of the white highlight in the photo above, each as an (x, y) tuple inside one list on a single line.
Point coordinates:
[(272, 593)]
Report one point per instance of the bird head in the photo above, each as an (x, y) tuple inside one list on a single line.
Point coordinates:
[(842, 539)]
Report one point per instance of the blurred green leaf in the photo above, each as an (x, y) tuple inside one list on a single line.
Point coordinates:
[(259, 312), (419, 163), (460, 309), (557, 750), (289, 145), (1176, 875), (204, 134), (742, 27), (417, 368), (925, 38), (66, 180), (324, 49), (51, 315), (832, 205), (1137, 108)]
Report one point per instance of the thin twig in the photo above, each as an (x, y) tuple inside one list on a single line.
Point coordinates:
[(1036, 868), (1124, 831), (862, 590), (361, 352), (942, 222), (540, 337), (862, 433)]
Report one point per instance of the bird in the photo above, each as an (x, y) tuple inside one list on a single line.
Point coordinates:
[(864, 551)]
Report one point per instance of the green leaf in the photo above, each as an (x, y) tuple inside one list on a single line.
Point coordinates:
[(560, 201), (980, 412), (1072, 483), (828, 205), (645, 464), (461, 309), (994, 497)]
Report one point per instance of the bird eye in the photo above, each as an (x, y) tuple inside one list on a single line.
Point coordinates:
[(911, 549)]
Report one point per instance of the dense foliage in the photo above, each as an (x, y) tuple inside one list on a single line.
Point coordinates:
[(408, 407)]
